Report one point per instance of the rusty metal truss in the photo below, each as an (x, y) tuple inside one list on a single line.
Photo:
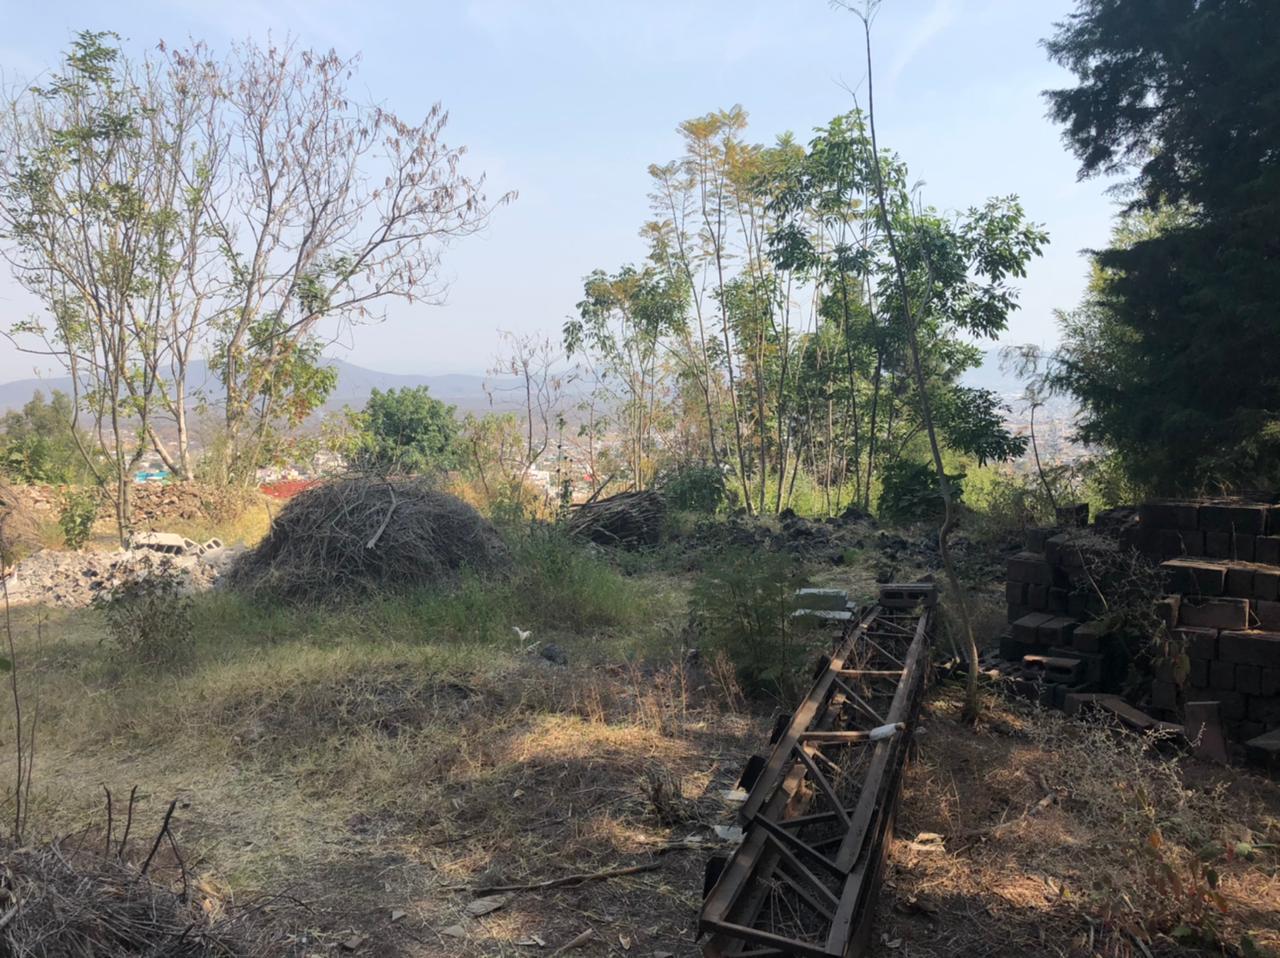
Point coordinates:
[(820, 806)]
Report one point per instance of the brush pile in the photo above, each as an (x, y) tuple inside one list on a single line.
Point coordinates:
[(19, 528), (358, 537), (56, 901), (629, 519)]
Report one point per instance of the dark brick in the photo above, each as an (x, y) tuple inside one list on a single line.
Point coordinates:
[(1030, 567), (1232, 705), (1268, 614), (1164, 695), (1250, 648), (1190, 577), (1250, 519), (1222, 675), (1266, 584), (1270, 682), (1249, 679), (1057, 630), (1214, 613), (1168, 514), (1242, 547), (1217, 545), (1025, 629), (1199, 676), (1264, 709), (1239, 582), (1266, 549), (1058, 601), (1199, 643), (1015, 593)]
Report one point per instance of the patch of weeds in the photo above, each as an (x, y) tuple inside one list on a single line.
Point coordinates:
[(148, 617), (76, 515)]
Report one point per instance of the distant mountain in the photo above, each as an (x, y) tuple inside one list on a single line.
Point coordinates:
[(463, 390)]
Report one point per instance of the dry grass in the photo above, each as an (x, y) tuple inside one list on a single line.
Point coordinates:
[(1032, 835)]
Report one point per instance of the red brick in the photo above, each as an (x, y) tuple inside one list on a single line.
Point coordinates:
[(1250, 648), (1214, 613)]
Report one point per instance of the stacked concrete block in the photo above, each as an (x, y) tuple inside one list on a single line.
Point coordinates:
[(1222, 563)]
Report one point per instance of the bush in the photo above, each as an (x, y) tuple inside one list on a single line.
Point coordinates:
[(741, 606), (76, 516), (909, 492), (148, 616), (693, 488)]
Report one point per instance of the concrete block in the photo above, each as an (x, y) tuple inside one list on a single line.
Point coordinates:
[(1249, 518), (1167, 610), (1037, 596), (1239, 582), (1242, 547), (1035, 537), (1027, 628), (1164, 696), (1198, 643), (834, 599), (1056, 631), (1016, 612), (1266, 549), (1030, 567), (1264, 750), (1267, 614), (1265, 709), (1270, 682), (1087, 637), (1058, 601), (1195, 577), (1217, 545), (1199, 675), (1233, 705), (1266, 584), (1222, 676), (1012, 650), (1067, 671), (1203, 727), (1015, 593), (1252, 647), (1214, 613), (1249, 679), (1169, 514)]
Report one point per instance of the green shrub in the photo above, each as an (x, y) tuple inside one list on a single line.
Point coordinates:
[(909, 492), (148, 616), (76, 516), (742, 606), (694, 488)]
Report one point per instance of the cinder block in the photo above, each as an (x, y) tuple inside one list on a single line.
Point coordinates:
[(1199, 676), (1087, 637), (1091, 664), (1199, 643), (1167, 610), (1266, 549), (1222, 675), (1267, 614), (1077, 605), (1214, 613), (1239, 582), (1273, 520), (1056, 631), (1232, 705), (1169, 514), (1058, 601), (1035, 536), (1217, 545), (1030, 567), (1266, 584), (1012, 650), (1265, 710), (1164, 695), (1270, 682), (1247, 518), (1016, 612), (1249, 679), (1026, 629), (1253, 647), (1242, 547), (1015, 593), (1037, 596), (1191, 577)]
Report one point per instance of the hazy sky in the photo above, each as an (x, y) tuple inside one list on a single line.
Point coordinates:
[(569, 101)]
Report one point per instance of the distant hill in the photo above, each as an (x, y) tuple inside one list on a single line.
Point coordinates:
[(463, 390)]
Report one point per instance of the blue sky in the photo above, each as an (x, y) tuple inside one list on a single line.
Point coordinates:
[(569, 101)]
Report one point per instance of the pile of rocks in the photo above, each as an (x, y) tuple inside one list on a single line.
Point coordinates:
[(72, 579)]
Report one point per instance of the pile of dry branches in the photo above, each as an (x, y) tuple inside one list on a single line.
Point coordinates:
[(630, 519), (19, 530), (356, 537), (57, 902)]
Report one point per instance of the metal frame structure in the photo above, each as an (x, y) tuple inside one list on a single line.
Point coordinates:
[(820, 807)]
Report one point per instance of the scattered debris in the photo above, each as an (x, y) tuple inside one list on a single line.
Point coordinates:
[(629, 519)]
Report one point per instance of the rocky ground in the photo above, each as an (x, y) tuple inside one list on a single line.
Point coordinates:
[(72, 579)]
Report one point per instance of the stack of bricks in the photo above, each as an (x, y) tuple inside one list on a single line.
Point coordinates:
[(1052, 648), (1223, 563)]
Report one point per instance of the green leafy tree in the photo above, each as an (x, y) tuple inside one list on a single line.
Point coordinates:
[(405, 431), (39, 442), (1171, 354)]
